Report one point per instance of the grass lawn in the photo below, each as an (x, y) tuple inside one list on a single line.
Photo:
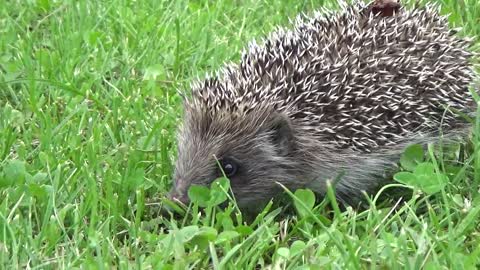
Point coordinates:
[(88, 114)]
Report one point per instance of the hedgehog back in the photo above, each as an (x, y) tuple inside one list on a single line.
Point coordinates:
[(359, 81)]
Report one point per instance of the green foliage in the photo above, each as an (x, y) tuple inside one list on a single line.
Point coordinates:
[(304, 202), (422, 175), (411, 157), (88, 114)]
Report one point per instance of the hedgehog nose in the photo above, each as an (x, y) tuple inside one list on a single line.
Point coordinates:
[(179, 191), (178, 197)]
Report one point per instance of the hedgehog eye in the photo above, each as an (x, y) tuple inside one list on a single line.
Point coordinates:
[(229, 167)]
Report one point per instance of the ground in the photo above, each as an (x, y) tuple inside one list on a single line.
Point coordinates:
[(88, 113)]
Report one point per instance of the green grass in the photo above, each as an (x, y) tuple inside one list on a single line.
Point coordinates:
[(88, 111)]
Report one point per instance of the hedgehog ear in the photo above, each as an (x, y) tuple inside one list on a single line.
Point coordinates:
[(282, 133)]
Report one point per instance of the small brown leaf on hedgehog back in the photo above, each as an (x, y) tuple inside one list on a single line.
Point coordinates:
[(385, 8)]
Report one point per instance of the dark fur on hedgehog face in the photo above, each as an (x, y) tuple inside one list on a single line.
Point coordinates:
[(259, 145)]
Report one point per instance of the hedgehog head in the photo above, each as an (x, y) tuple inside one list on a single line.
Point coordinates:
[(253, 147)]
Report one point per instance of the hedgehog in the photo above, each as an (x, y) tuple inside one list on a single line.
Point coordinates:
[(336, 98)]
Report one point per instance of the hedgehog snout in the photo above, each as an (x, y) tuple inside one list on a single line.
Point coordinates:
[(176, 197), (179, 192)]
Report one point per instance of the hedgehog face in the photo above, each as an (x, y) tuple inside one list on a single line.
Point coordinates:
[(253, 150)]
